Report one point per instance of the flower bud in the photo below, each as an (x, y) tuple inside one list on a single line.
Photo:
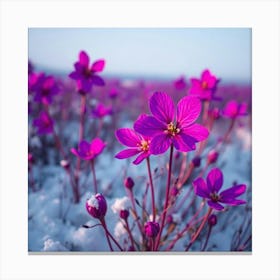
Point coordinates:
[(129, 183), (196, 161), (124, 214), (151, 229), (212, 156), (174, 191), (97, 206), (65, 164), (212, 220)]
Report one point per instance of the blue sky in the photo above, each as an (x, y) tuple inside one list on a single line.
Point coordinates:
[(155, 52)]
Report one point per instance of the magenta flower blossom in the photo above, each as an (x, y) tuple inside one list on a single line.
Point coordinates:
[(137, 144), (34, 81), (89, 151), (45, 89), (85, 75), (165, 129), (210, 190), (205, 87), (233, 109), (180, 83), (151, 229), (100, 111), (44, 124), (97, 206)]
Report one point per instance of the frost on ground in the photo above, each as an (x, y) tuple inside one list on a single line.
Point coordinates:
[(55, 223)]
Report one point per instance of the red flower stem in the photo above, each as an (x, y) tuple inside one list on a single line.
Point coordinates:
[(195, 236), (81, 136), (152, 188), (94, 176), (131, 196), (59, 145), (106, 232), (129, 234), (32, 184), (100, 126), (102, 220), (189, 224), (166, 198), (225, 139), (207, 238), (205, 111)]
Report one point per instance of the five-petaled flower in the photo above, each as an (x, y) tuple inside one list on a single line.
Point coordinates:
[(234, 109), (44, 123), (211, 188), (165, 129), (89, 151), (137, 144), (205, 87), (85, 75), (100, 111), (45, 89)]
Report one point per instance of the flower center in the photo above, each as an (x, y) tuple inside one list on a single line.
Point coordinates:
[(87, 72), (215, 197), (145, 145), (172, 129), (204, 85)]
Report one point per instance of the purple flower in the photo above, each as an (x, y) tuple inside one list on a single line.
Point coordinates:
[(165, 129), (45, 89), (205, 87), (233, 109), (137, 145), (89, 151), (151, 229), (44, 124), (97, 206), (85, 75), (180, 83), (100, 111), (34, 81), (210, 190)]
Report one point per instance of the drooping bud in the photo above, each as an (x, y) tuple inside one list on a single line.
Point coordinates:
[(151, 229), (97, 206), (196, 161), (124, 214), (212, 220), (212, 156), (129, 183)]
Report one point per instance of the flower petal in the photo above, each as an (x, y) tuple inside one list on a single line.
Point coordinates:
[(141, 157), (127, 153), (232, 193), (83, 59), (162, 107), (75, 152), (210, 79), (188, 111), (197, 131), (215, 205), (200, 188), (98, 81), (128, 137), (184, 143), (97, 145), (195, 87), (98, 65), (215, 180), (84, 147), (160, 144), (149, 126), (234, 202)]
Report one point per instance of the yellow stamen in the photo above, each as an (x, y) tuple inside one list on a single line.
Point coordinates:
[(172, 129), (204, 85)]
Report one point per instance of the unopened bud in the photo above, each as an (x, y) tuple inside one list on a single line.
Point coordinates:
[(196, 161), (151, 229), (124, 214), (97, 206), (212, 220), (129, 183), (212, 156)]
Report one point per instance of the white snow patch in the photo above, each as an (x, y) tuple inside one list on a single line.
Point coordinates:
[(120, 204), (53, 246)]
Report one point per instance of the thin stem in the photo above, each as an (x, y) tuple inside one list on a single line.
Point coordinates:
[(166, 198), (59, 145), (129, 234), (195, 236), (207, 238), (109, 234), (152, 188), (94, 176)]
